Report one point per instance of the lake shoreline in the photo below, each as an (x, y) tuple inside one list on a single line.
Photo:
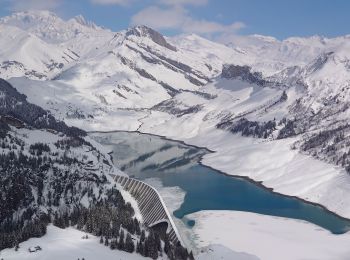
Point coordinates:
[(246, 178)]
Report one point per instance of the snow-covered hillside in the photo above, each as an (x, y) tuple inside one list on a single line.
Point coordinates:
[(70, 243), (138, 79), (40, 45), (65, 244), (277, 238), (285, 102), (23, 53), (53, 173)]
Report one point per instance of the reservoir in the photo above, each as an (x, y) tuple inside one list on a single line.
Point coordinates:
[(144, 156)]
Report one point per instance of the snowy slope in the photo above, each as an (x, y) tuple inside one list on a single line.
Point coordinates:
[(52, 173), (274, 237), (178, 86), (140, 79), (39, 44), (280, 94), (118, 80), (270, 55), (66, 244), (77, 33), (23, 53)]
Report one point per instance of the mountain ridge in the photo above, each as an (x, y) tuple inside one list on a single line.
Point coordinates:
[(257, 87)]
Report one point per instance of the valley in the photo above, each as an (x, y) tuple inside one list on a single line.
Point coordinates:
[(254, 129)]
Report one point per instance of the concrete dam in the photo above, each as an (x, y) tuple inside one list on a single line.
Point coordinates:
[(151, 205)]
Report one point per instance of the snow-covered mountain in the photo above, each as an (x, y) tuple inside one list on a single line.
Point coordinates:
[(292, 92), (91, 76), (88, 76), (39, 44)]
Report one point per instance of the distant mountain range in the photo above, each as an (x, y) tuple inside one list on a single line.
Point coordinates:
[(88, 74)]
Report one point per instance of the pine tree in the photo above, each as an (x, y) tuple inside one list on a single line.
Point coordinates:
[(129, 244), (142, 238), (190, 256), (137, 227), (151, 247), (180, 252), (113, 244), (158, 242), (138, 247), (121, 243), (167, 247)]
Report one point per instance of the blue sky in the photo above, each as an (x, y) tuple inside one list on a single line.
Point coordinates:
[(216, 19)]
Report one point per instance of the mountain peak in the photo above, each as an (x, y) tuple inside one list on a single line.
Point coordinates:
[(50, 27), (144, 31), (28, 19), (82, 21), (31, 18)]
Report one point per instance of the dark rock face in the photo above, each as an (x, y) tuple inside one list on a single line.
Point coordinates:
[(7, 65), (319, 62), (140, 71), (230, 71), (204, 95), (15, 105), (153, 57), (171, 91), (177, 65), (144, 31), (175, 108)]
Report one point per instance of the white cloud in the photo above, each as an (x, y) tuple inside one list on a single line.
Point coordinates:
[(178, 18), (164, 2), (184, 2), (160, 18), (23, 5), (209, 27), (111, 2), (238, 40)]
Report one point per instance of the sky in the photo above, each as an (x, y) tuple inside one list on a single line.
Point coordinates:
[(215, 19)]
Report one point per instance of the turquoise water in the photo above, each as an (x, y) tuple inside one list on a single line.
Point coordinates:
[(175, 164)]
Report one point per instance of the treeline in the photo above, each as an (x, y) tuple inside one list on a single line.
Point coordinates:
[(39, 148), (288, 128), (4, 128), (13, 233), (39, 178), (113, 221), (249, 128), (54, 181), (285, 128), (330, 145), (42, 185)]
